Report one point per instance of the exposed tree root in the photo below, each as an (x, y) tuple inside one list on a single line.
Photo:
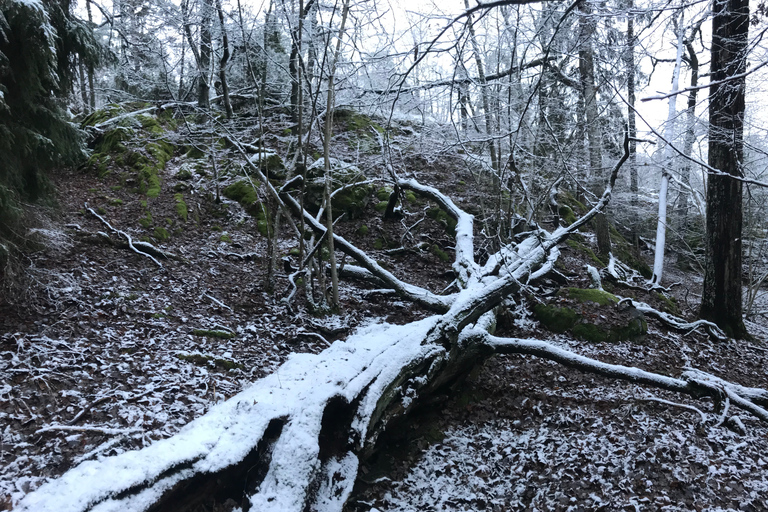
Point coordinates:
[(139, 247)]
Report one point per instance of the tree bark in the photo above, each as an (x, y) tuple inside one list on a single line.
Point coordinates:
[(589, 97), (631, 119), (690, 138), (203, 87), (661, 225), (484, 93), (223, 61), (721, 300)]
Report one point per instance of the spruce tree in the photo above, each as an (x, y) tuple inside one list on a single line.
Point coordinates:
[(38, 41)]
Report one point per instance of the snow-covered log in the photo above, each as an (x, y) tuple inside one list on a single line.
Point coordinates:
[(293, 441)]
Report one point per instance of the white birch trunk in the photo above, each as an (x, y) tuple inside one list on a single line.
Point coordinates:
[(661, 227)]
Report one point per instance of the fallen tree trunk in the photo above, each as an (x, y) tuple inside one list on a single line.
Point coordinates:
[(293, 440)]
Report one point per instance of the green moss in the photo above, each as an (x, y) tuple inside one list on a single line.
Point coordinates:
[(441, 254), (263, 224), (161, 234), (354, 121), (184, 174), (294, 251), (567, 217), (669, 304), (225, 335), (216, 228), (573, 244), (440, 215), (103, 114), (351, 201), (567, 199), (410, 196), (199, 359), (244, 193), (362, 230), (590, 332), (225, 238), (554, 318), (380, 206), (378, 244), (383, 193), (114, 201), (181, 207), (271, 163), (627, 254), (195, 152), (151, 124), (591, 295)]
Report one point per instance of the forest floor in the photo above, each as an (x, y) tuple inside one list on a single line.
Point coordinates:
[(103, 351)]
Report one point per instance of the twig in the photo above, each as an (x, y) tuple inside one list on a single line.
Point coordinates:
[(123, 233), (87, 428), (676, 404)]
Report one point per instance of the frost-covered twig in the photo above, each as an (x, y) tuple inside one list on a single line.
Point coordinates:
[(698, 411), (218, 302), (675, 322), (128, 238), (87, 428), (692, 383), (464, 265)]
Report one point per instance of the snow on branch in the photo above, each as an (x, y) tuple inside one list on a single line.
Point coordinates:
[(142, 248), (675, 322), (694, 383), (464, 265), (297, 422), (408, 291)]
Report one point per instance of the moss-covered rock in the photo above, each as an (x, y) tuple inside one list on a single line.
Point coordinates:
[(590, 295), (270, 163), (591, 315), (161, 234), (351, 201), (181, 206), (244, 192), (628, 254), (103, 114), (441, 216), (556, 319), (574, 243), (441, 254), (213, 333)]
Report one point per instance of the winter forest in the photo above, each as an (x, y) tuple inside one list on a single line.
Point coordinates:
[(370, 255)]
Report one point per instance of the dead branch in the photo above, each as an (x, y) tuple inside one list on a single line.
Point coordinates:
[(694, 383), (128, 238)]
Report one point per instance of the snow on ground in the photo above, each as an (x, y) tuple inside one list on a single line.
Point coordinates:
[(526, 434)]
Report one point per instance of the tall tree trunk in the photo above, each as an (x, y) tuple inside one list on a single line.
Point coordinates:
[(92, 93), (690, 138), (223, 61), (180, 95), (484, 92), (721, 297), (204, 88), (83, 90), (327, 160), (589, 95), (631, 119), (661, 225)]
